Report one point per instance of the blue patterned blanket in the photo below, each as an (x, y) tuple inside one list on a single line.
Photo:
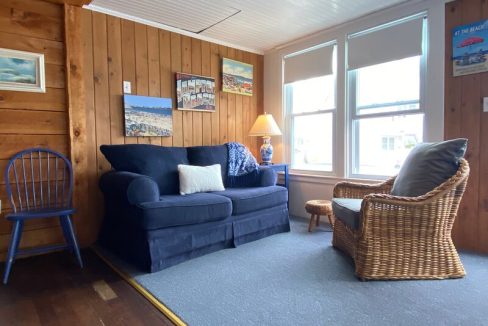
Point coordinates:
[(241, 160)]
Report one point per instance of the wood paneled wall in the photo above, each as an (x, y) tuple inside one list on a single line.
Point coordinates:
[(113, 50), (33, 119), (116, 50), (464, 118)]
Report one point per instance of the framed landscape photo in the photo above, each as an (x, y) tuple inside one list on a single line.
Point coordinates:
[(22, 71), (237, 77), (194, 92), (148, 116)]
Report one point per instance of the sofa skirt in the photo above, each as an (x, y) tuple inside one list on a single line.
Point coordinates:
[(154, 250)]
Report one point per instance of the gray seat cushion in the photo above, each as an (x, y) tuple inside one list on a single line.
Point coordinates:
[(347, 210), (427, 166), (175, 210), (246, 200)]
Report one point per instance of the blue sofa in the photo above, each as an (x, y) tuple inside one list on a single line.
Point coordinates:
[(148, 223)]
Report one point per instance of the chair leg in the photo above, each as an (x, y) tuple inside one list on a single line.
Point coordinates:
[(70, 237), (331, 221), (317, 220), (312, 222), (66, 233), (12, 249)]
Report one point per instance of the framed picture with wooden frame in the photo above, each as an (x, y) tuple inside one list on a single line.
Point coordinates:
[(22, 71), (237, 77)]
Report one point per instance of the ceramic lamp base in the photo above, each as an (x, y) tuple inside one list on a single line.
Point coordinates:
[(266, 151)]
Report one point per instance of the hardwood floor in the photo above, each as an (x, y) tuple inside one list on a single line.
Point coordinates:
[(52, 290)]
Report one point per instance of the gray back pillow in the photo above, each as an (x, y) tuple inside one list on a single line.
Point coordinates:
[(427, 166)]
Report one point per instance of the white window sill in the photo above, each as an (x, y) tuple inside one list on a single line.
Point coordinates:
[(325, 179)]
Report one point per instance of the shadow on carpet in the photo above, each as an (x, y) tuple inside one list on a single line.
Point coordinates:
[(297, 278)]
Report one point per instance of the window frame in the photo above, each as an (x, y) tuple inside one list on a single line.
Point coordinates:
[(290, 118), (352, 117)]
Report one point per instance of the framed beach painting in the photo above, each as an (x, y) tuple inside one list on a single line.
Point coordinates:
[(194, 92), (148, 116), (237, 77), (22, 71)]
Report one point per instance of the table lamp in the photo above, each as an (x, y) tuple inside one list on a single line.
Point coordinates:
[(265, 126)]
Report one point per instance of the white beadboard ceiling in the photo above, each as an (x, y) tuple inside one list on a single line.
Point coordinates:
[(254, 25)]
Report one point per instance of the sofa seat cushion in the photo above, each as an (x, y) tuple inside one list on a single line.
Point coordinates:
[(347, 210), (245, 200), (176, 210)]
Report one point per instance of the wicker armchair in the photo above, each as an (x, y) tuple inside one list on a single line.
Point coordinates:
[(403, 237)]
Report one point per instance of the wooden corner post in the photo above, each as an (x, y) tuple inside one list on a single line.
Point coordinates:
[(75, 88)]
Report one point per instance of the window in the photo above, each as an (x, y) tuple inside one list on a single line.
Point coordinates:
[(310, 107), (386, 118), (388, 143)]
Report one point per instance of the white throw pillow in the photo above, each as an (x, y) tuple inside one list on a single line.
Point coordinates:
[(200, 178)]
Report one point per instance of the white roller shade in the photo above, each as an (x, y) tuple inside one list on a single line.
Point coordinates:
[(391, 43), (313, 63)]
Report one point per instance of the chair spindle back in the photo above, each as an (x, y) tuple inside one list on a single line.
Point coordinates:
[(39, 178)]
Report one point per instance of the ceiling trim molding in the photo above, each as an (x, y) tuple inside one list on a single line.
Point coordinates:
[(169, 28), (77, 3)]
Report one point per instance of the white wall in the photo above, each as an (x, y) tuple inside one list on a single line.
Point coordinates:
[(306, 187)]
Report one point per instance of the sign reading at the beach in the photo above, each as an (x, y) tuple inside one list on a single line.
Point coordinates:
[(470, 48), (236, 77), (148, 116)]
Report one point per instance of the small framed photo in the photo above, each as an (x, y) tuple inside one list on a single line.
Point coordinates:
[(237, 77), (195, 93), (22, 71)]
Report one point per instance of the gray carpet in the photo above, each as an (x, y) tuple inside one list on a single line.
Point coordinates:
[(297, 278)]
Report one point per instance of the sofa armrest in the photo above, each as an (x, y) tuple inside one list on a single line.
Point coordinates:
[(131, 188), (267, 177)]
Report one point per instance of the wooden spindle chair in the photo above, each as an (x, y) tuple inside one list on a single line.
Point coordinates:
[(39, 184)]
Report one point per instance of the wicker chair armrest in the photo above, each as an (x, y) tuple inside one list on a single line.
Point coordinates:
[(346, 189)]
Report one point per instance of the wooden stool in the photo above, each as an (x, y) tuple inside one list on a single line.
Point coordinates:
[(317, 208)]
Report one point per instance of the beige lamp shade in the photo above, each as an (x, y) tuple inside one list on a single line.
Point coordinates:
[(265, 125)]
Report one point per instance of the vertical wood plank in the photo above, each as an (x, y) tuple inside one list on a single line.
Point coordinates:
[(196, 68), (254, 105), (114, 49), (231, 104), (470, 128), (94, 197), (165, 73), (452, 89), (215, 63), (259, 94), (482, 215), (176, 67), (206, 116), (224, 138), (100, 77), (186, 67), (129, 62), (246, 107), (238, 109), (77, 121), (154, 67), (142, 70)]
